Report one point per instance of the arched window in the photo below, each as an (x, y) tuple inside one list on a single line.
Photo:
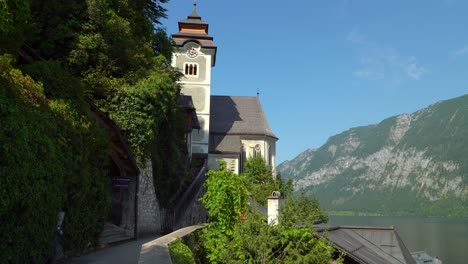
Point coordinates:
[(191, 69), (257, 151)]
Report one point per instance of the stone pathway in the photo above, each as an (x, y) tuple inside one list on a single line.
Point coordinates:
[(126, 253)]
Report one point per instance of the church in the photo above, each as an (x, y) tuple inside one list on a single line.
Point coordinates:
[(232, 128)]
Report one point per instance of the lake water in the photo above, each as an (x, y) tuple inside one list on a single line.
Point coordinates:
[(445, 238)]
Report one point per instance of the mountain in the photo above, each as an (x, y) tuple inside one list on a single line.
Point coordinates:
[(410, 164)]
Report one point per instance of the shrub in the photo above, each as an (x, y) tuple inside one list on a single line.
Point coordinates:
[(180, 253)]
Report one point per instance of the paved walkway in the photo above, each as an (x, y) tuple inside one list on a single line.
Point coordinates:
[(125, 253)]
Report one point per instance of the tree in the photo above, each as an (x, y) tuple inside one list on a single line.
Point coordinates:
[(261, 181), (237, 235), (302, 209), (254, 241), (226, 201)]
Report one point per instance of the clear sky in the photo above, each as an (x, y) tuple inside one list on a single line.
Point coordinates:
[(323, 67)]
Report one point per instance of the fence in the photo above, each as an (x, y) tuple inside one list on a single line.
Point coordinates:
[(170, 217)]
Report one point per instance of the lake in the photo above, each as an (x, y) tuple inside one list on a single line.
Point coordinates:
[(441, 237)]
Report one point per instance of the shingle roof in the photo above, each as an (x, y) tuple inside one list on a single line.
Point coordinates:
[(238, 115), (370, 244), (224, 143)]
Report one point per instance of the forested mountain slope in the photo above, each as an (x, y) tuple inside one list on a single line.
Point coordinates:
[(410, 164)]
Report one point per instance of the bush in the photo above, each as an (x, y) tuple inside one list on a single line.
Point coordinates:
[(180, 253)]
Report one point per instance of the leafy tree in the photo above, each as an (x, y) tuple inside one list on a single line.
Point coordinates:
[(235, 235), (302, 209), (255, 241), (226, 201), (15, 24), (261, 182)]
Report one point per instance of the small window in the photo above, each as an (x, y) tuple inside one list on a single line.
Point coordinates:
[(191, 69), (257, 151)]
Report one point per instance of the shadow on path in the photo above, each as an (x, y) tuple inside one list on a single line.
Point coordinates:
[(126, 253)]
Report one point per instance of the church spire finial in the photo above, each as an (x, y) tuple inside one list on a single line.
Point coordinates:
[(194, 12)]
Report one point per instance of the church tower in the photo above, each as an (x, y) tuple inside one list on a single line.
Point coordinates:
[(194, 56)]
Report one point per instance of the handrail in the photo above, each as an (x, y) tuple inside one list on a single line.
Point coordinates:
[(190, 195), (171, 217)]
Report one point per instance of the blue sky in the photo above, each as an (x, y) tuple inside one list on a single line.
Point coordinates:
[(323, 67)]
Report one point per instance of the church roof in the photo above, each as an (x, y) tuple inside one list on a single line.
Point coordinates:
[(238, 115)]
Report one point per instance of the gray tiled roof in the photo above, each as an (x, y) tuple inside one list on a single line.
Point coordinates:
[(224, 143), (238, 115), (370, 244)]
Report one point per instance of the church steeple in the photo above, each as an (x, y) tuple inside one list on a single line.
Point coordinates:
[(194, 57), (194, 12), (194, 29)]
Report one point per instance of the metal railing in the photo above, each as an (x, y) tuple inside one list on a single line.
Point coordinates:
[(170, 217)]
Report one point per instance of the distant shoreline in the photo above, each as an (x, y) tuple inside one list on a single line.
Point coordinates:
[(353, 213)]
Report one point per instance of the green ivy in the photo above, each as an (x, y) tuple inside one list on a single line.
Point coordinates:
[(153, 123), (53, 157)]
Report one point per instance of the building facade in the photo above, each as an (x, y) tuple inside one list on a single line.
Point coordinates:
[(232, 128)]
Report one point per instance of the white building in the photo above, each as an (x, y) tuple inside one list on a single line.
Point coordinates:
[(233, 128)]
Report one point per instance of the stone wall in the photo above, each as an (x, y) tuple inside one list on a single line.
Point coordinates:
[(149, 220)]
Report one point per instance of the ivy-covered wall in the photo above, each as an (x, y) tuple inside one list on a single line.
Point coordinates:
[(52, 158)]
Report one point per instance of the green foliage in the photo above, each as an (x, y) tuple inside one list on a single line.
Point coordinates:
[(56, 79), (15, 24), (53, 158), (117, 43), (180, 253), (153, 123), (261, 182), (235, 235), (254, 241), (57, 25), (301, 209), (226, 200), (195, 242), (31, 174)]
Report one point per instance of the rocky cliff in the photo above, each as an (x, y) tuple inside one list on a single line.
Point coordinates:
[(411, 164)]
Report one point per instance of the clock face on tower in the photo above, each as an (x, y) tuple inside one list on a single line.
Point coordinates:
[(192, 52)]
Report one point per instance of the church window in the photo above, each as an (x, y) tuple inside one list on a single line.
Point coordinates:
[(191, 69), (243, 158), (257, 151)]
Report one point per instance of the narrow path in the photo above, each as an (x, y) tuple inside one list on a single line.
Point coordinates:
[(126, 253)]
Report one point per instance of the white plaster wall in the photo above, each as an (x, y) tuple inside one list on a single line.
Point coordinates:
[(199, 87)]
